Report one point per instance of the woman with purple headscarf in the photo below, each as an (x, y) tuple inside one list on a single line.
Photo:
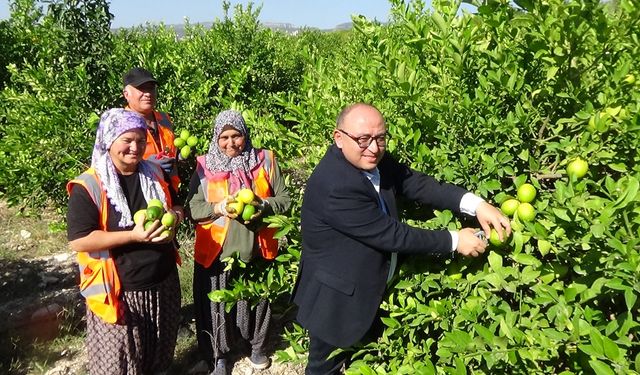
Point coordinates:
[(128, 274), (232, 164)]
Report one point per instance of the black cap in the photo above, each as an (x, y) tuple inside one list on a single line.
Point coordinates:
[(137, 76)]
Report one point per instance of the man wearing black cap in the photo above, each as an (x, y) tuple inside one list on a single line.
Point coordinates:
[(140, 92)]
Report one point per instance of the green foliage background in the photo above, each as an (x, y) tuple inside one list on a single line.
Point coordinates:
[(488, 101)]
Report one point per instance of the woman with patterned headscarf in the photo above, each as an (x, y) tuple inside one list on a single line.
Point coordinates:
[(232, 164), (128, 274)]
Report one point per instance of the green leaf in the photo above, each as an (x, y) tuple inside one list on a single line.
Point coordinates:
[(588, 350), (405, 284), (529, 274), (611, 350), (505, 329), (494, 279), (485, 333), (390, 322), (561, 213), (630, 298), (596, 342), (555, 334), (440, 22), (495, 261), (618, 167), (518, 240), (601, 368), (460, 338), (629, 194), (570, 294), (526, 259)]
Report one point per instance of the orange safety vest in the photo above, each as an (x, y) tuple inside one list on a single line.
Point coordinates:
[(210, 236), (166, 135), (99, 280)]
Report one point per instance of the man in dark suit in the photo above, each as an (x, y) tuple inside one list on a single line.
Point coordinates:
[(351, 234)]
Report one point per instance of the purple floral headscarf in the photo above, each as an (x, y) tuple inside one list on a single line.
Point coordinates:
[(113, 123), (239, 167)]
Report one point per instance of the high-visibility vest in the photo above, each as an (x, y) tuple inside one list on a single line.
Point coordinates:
[(166, 147), (99, 280), (210, 236), (165, 133)]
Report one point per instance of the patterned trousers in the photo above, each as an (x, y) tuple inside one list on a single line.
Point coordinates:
[(144, 340), (218, 330)]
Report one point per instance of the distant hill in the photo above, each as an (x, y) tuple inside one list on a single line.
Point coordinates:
[(279, 26), (344, 26)]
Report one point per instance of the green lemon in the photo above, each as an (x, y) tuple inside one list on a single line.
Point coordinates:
[(155, 203), (526, 193), (577, 168), (237, 207), (179, 142), (148, 225), (494, 238), (185, 134), (192, 140), (165, 233), (526, 212), (248, 211), (185, 151), (168, 219), (245, 196), (140, 217), (509, 206), (154, 213)]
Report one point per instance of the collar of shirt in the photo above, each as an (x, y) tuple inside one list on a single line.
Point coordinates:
[(374, 177)]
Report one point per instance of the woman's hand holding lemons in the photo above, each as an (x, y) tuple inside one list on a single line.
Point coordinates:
[(249, 206)]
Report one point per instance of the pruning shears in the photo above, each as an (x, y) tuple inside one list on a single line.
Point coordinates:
[(481, 235)]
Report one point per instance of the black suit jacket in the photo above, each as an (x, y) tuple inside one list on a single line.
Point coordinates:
[(347, 240)]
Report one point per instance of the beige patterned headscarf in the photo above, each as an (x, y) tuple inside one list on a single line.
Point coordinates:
[(238, 168)]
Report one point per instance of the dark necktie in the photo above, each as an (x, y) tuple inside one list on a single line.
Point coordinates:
[(394, 256)]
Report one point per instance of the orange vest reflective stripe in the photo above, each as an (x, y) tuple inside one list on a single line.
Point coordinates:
[(165, 133), (166, 136), (210, 236), (99, 280)]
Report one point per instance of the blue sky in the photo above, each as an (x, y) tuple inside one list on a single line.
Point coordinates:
[(314, 13)]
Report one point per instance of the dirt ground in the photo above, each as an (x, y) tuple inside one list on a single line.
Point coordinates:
[(41, 311)]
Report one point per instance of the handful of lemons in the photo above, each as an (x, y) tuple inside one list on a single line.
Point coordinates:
[(155, 211), (185, 142), (244, 204)]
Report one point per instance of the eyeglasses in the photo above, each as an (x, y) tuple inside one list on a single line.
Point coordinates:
[(365, 141)]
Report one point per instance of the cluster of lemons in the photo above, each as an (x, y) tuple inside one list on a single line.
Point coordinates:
[(242, 204), (155, 211), (521, 207), (185, 142)]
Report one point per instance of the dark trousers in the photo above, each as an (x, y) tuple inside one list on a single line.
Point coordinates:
[(319, 351), (319, 362)]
